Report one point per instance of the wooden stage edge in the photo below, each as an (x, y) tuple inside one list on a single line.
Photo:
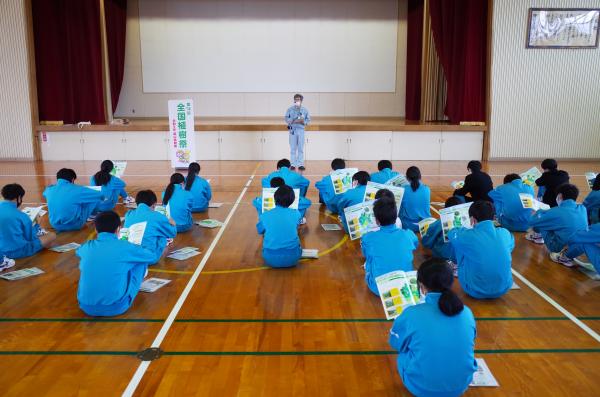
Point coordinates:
[(274, 124)]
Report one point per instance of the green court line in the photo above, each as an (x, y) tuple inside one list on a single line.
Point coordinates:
[(66, 353)]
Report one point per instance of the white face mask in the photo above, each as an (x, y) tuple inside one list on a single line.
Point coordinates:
[(559, 199), (297, 103)]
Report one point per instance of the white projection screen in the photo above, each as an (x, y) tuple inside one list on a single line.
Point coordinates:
[(268, 45)]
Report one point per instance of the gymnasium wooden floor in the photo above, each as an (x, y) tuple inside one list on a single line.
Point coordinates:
[(229, 326)]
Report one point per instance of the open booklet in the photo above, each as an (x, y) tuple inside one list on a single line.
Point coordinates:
[(119, 168), (397, 291), (23, 273), (96, 188), (34, 212), (209, 223), (483, 376), (373, 188), (457, 184), (342, 179), (360, 220), (65, 247), (530, 176), (424, 225), (134, 233), (162, 209), (590, 178), (528, 201), (268, 199), (152, 284), (455, 217), (398, 180)]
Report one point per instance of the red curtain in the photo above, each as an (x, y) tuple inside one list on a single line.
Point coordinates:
[(460, 34), (68, 60), (414, 50), (116, 22)]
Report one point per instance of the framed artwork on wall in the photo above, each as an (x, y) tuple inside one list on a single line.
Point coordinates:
[(563, 28)]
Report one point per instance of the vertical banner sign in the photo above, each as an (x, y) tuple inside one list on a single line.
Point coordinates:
[(181, 128)]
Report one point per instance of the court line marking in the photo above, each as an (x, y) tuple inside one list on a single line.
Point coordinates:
[(143, 367), (237, 175)]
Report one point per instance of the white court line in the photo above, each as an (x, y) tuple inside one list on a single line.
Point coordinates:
[(143, 367), (234, 175)]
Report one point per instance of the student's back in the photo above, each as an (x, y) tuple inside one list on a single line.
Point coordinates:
[(509, 209), (291, 178), (17, 234), (199, 187), (550, 180), (415, 206), (111, 192), (383, 175), (347, 199), (561, 221), (158, 229), (179, 202), (327, 194), (592, 205)]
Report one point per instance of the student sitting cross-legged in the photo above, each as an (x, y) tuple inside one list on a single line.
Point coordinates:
[(281, 244), (19, 236), (179, 203), (112, 186), (435, 340), (582, 242), (352, 196), (416, 201), (385, 172), (327, 195), (550, 180), (434, 237), (477, 184), (555, 226), (483, 254), (291, 178), (303, 203), (388, 249), (110, 270), (592, 203), (159, 228), (70, 205), (509, 209), (199, 187)]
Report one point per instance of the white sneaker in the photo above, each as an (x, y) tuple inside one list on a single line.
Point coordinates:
[(303, 221), (91, 218), (454, 267), (41, 232), (7, 263), (561, 259), (534, 237)]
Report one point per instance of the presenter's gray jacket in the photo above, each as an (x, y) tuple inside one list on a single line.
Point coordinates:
[(292, 114)]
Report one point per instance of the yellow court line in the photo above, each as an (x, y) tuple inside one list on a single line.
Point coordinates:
[(170, 271)]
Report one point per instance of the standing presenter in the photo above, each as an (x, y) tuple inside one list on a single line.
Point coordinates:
[(297, 118)]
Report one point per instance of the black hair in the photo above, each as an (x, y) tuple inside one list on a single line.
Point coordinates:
[(176, 179), (107, 222), (474, 166), (66, 174), (193, 170), (283, 163), (413, 174), (482, 211), (276, 181), (452, 201), (384, 193), (549, 164), (338, 164), (568, 191), (383, 164), (511, 177), (299, 96), (146, 197), (284, 196), (596, 185), (362, 177), (103, 176), (436, 275), (385, 211), (13, 191)]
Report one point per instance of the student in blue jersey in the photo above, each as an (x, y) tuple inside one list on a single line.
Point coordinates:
[(388, 249), (70, 205), (327, 195), (483, 254), (416, 201), (112, 186), (592, 203), (281, 244), (436, 339), (111, 270), (199, 187), (179, 203), (19, 236), (581, 242), (159, 228), (385, 172), (434, 237), (555, 226), (303, 202), (509, 209), (291, 178), (352, 196)]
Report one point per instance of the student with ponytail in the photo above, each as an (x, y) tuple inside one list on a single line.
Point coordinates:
[(435, 340), (199, 187), (179, 203), (112, 187), (416, 201)]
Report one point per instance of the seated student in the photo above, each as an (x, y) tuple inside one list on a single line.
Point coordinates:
[(327, 195), (478, 184), (159, 228), (352, 196), (179, 203), (581, 242), (70, 205), (199, 187), (509, 209), (112, 186), (385, 172), (291, 178), (435, 340), (592, 203), (19, 237), (550, 180), (303, 203), (388, 249), (111, 270), (415, 202), (281, 244), (434, 237), (483, 254), (555, 226)]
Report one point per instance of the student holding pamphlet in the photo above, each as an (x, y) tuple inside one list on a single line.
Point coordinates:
[(111, 186), (353, 196), (281, 244), (199, 187), (111, 270), (509, 209), (20, 236), (483, 254), (291, 178), (325, 186), (592, 203), (385, 172), (303, 202), (550, 180), (435, 340), (477, 184), (179, 203), (70, 205), (416, 201), (434, 236)]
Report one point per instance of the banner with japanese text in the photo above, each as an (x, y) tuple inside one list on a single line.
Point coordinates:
[(181, 132)]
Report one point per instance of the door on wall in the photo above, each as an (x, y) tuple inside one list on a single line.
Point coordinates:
[(208, 145), (146, 145), (102, 145), (370, 145), (240, 145), (326, 145), (417, 145), (461, 145), (61, 145), (276, 145)]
